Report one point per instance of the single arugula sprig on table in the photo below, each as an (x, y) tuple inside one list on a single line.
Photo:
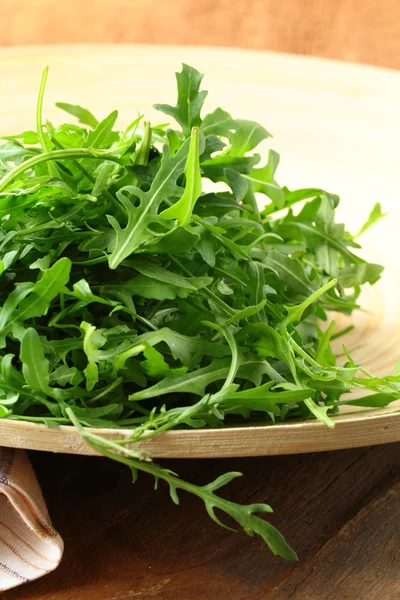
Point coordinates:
[(133, 298)]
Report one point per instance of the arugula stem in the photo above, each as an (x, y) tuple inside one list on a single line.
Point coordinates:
[(342, 332), (261, 238), (42, 420), (242, 514), (227, 333), (39, 122), (250, 199), (324, 344), (296, 312), (106, 390), (144, 150), (316, 364)]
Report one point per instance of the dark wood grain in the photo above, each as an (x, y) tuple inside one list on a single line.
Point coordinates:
[(340, 510)]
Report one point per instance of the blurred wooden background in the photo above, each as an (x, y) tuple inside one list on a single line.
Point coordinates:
[(357, 30)]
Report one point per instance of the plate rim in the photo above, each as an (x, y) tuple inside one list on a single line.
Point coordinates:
[(352, 430)]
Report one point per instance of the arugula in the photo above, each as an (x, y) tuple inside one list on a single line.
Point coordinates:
[(130, 298), (183, 209), (144, 213), (190, 100)]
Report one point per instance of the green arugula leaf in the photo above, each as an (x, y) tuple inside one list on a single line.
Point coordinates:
[(82, 114), (247, 135), (102, 180), (156, 366), (137, 231), (263, 399), (66, 376), (216, 167), (355, 275), (263, 180), (375, 215), (291, 272), (148, 287), (237, 183), (182, 210), (294, 313), (102, 133), (190, 100), (247, 312), (40, 295), (13, 152), (320, 412), (153, 270), (192, 383), (379, 400), (35, 367), (243, 135), (176, 242)]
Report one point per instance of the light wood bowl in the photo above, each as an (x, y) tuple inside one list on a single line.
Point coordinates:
[(336, 126)]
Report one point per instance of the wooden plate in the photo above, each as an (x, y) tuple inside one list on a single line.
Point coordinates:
[(336, 126)]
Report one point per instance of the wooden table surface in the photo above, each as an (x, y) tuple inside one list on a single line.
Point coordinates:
[(339, 510)]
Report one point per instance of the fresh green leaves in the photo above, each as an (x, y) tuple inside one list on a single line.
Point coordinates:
[(375, 216), (291, 272), (141, 208), (28, 300), (190, 100), (243, 135), (182, 210), (83, 115), (35, 367), (131, 298), (355, 275), (92, 342), (263, 181)]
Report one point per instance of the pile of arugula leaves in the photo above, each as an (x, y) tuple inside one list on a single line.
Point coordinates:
[(130, 298)]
